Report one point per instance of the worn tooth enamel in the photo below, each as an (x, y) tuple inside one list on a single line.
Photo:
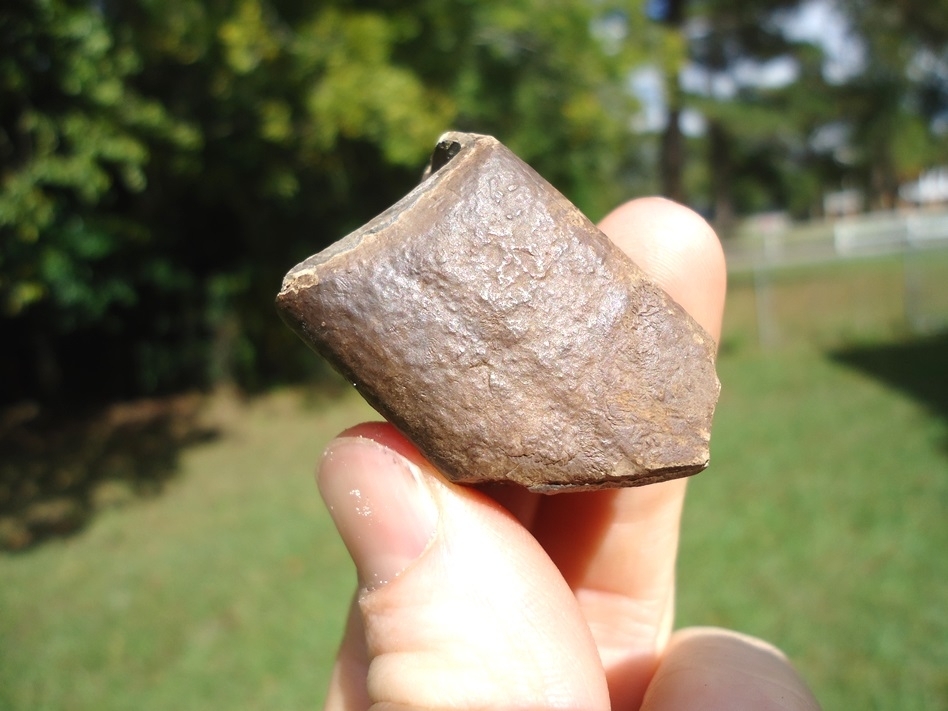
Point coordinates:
[(506, 336)]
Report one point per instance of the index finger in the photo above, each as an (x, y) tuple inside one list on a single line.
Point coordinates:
[(617, 548)]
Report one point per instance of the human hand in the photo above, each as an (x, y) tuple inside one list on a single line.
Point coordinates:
[(495, 598)]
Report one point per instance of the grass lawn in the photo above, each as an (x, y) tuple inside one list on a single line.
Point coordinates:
[(227, 590), (821, 525)]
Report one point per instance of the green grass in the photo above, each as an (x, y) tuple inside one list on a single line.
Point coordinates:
[(821, 525), (226, 591)]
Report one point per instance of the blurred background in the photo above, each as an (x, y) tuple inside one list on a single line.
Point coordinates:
[(164, 163)]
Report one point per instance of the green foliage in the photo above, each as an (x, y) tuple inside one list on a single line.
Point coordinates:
[(73, 134), (759, 153), (531, 61), (362, 95), (765, 148), (894, 105), (164, 162)]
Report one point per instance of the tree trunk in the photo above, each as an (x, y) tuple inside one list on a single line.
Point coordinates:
[(722, 176), (672, 160), (47, 372)]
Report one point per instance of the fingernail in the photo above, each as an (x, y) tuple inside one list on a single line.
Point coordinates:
[(380, 504)]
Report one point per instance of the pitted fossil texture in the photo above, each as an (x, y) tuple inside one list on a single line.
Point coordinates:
[(506, 336)]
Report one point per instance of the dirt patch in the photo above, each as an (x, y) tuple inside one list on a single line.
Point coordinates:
[(57, 468)]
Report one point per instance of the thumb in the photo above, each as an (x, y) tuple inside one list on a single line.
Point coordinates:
[(714, 669), (458, 607)]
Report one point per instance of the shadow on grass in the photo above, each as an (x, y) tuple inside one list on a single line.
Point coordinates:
[(57, 470), (918, 367)]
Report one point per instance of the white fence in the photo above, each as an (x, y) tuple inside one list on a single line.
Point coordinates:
[(774, 242), (767, 248), (888, 233)]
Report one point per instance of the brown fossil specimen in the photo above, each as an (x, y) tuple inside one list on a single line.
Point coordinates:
[(506, 336)]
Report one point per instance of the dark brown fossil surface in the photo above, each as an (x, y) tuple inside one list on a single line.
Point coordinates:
[(506, 336)]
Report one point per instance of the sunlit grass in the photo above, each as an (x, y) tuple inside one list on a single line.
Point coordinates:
[(821, 525), (227, 591)]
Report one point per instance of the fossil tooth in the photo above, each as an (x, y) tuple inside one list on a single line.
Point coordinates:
[(506, 336)]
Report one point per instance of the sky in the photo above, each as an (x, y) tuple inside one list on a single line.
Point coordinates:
[(821, 21)]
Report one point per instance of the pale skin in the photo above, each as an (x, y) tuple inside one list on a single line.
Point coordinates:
[(500, 599)]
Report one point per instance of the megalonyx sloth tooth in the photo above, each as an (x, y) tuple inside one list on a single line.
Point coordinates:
[(506, 336)]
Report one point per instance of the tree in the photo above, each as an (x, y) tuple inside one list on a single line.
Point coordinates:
[(549, 78), (784, 145), (896, 106), (164, 163), (75, 138), (673, 58), (758, 130)]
